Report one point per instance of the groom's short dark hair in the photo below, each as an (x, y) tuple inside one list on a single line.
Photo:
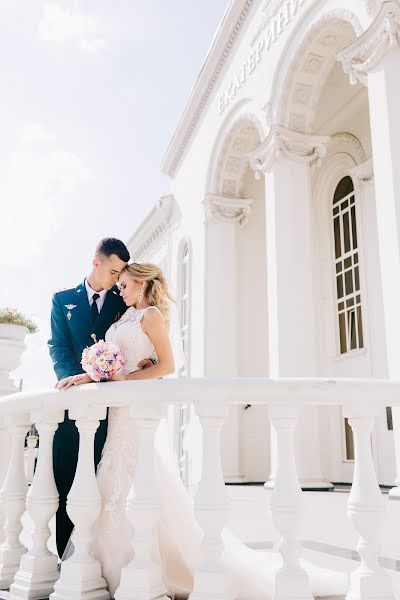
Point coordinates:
[(109, 246)]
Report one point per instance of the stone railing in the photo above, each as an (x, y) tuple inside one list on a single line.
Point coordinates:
[(34, 574)]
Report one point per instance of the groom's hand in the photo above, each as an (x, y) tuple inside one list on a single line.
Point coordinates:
[(67, 382), (145, 363)]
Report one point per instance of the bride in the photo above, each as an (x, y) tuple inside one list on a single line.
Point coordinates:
[(141, 332)]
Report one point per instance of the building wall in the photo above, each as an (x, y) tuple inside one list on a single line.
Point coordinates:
[(288, 75)]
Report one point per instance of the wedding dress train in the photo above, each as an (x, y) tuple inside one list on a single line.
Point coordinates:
[(250, 574)]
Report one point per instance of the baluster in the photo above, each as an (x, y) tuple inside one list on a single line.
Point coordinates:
[(12, 499), (4, 460), (81, 577), (38, 570), (366, 510), (142, 578), (286, 506), (211, 506)]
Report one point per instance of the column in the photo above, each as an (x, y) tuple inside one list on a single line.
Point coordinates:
[(374, 59), (224, 216), (211, 506), (286, 157), (10, 353), (366, 510), (81, 577), (12, 500), (4, 460), (292, 580), (142, 578), (38, 570)]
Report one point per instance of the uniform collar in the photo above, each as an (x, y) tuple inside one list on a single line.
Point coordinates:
[(90, 291)]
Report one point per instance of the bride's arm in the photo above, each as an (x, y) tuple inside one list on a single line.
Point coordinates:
[(154, 326)]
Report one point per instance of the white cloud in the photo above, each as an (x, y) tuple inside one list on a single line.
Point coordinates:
[(33, 185), (70, 25)]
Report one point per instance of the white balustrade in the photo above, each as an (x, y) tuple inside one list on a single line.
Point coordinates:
[(286, 506), (81, 577), (211, 504), (38, 570), (31, 575), (12, 499), (142, 578), (366, 510), (4, 461)]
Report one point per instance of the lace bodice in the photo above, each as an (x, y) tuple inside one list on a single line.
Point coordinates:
[(128, 335)]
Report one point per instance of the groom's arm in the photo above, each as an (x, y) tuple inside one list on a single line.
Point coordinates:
[(60, 345)]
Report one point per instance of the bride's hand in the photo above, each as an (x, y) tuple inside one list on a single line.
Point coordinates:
[(118, 378), (67, 382)]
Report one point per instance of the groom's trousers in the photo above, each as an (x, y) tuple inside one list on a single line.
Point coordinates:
[(65, 459)]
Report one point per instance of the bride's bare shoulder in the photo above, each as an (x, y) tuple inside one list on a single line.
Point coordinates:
[(152, 321), (152, 315)]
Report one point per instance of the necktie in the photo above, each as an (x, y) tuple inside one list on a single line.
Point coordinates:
[(94, 309)]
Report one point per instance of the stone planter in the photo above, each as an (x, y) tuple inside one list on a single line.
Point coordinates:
[(12, 346)]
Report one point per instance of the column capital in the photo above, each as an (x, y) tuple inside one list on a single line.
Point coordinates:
[(366, 52), (296, 146), (222, 209)]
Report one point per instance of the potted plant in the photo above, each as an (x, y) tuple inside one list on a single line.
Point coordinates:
[(14, 326)]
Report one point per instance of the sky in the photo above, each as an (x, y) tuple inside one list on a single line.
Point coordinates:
[(91, 94)]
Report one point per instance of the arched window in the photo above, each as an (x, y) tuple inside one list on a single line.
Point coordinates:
[(349, 313)]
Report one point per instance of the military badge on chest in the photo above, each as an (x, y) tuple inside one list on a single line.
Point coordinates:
[(69, 307)]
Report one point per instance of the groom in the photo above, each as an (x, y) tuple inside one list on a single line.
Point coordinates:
[(90, 308)]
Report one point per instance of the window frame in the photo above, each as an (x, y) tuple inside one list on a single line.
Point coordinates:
[(348, 262)]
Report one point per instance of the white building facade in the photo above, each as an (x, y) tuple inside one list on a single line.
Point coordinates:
[(281, 235)]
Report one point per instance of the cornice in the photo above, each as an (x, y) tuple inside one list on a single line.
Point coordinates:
[(365, 53), (151, 234), (216, 59)]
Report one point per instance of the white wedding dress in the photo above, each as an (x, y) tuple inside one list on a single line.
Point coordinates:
[(250, 574)]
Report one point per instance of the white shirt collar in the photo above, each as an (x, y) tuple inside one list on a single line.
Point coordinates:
[(90, 291)]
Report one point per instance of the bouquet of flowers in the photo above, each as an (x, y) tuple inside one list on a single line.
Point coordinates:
[(102, 360)]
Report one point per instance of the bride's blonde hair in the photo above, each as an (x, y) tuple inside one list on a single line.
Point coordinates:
[(156, 291)]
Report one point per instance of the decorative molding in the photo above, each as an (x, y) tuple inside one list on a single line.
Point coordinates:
[(371, 7), (221, 209), (364, 172), (368, 50), (233, 159), (302, 77), (347, 142), (152, 233), (292, 144), (227, 35), (225, 39)]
